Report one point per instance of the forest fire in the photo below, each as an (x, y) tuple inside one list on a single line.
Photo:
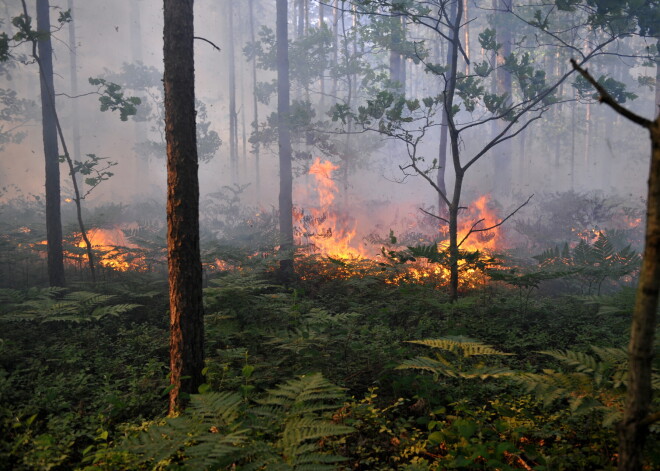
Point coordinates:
[(114, 250), (324, 231)]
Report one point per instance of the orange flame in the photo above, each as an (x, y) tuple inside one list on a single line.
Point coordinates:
[(329, 233), (108, 243)]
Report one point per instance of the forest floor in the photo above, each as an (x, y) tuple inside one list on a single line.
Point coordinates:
[(510, 382)]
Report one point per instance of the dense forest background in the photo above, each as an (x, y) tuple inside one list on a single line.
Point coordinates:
[(420, 234)]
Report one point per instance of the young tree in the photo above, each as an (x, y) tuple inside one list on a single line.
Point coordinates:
[(633, 429), (184, 260), (465, 101), (284, 138)]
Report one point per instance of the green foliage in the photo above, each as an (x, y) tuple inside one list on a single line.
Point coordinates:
[(597, 386), (593, 263), (616, 89), (459, 363), (282, 430), (113, 99), (58, 305)]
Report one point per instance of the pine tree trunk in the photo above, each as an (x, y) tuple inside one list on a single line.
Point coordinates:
[(284, 137), (633, 430), (255, 107), (502, 156), (140, 128), (73, 81), (51, 153), (233, 118), (185, 269)]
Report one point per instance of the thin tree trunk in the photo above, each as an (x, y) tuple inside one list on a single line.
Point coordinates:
[(466, 31), (502, 157), (335, 47), (284, 138), (255, 107), (656, 111), (51, 153), (185, 268), (73, 81), (442, 154), (139, 127), (233, 118), (633, 429), (50, 97), (455, 22)]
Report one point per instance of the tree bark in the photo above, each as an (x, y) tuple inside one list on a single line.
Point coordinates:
[(284, 137), (51, 152), (633, 430), (184, 261)]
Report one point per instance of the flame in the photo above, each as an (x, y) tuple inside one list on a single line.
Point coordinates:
[(109, 243), (324, 229), (478, 217)]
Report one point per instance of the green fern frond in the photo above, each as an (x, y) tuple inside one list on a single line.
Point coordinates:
[(300, 430), (308, 390), (466, 346)]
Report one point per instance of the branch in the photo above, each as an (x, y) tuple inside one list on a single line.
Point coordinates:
[(606, 98), (651, 419), (206, 40), (433, 215), (472, 229)]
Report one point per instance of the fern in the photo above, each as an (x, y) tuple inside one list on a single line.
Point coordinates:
[(597, 386), (282, 430), (58, 305), (460, 364)]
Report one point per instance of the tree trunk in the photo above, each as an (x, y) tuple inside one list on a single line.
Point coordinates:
[(322, 79), (455, 23), (656, 110), (442, 153), (502, 157), (233, 117), (184, 261), (73, 81), (633, 430), (255, 107), (51, 153), (335, 47), (140, 128), (284, 137)]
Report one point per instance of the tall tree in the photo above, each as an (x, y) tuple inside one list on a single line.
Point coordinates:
[(633, 429), (233, 116), (73, 80), (284, 138), (51, 153), (184, 261), (255, 106)]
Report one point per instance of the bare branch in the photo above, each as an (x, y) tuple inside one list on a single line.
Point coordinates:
[(210, 42), (433, 215), (473, 230)]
